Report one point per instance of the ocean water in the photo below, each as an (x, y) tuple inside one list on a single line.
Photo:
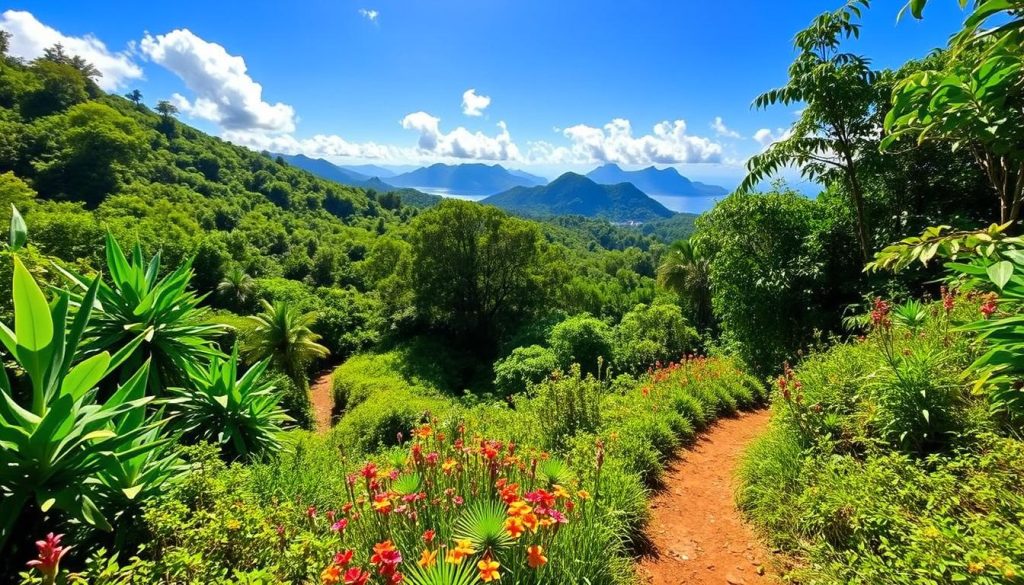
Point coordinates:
[(449, 193), (687, 204)]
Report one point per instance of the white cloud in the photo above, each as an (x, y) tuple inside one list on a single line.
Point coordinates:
[(320, 145), (29, 38), (766, 137), (615, 143), (722, 130), (460, 143), (369, 14), (225, 94), (473, 104)]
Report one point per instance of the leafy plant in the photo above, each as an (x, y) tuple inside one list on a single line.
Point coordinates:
[(241, 414), (139, 300), (911, 314), (282, 335), (441, 573), (55, 448), (483, 524)]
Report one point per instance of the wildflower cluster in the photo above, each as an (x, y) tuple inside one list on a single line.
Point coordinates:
[(455, 506)]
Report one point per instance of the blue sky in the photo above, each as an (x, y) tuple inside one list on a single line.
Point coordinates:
[(571, 84)]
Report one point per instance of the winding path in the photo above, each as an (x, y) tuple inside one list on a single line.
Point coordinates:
[(321, 393), (697, 535)]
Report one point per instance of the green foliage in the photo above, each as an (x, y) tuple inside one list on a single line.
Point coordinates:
[(139, 300), (239, 413), (58, 441), (652, 334), (583, 340), (570, 405), (684, 270), (281, 334), (474, 269), (523, 368)]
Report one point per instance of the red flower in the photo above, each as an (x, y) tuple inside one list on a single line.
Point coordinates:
[(340, 525), (428, 536), (342, 559), (356, 576), (369, 470), (50, 554), (989, 306)]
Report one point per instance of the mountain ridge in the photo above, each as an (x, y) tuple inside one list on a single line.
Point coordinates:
[(575, 194), (655, 181)]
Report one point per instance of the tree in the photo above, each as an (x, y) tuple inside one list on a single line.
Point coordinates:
[(684, 271), (236, 288), (282, 334), (5, 43), (475, 270), (57, 55), (166, 109), (134, 96), (62, 86), (837, 122), (975, 102)]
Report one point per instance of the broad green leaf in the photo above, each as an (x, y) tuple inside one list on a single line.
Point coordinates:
[(1000, 273), (33, 325), (86, 375)]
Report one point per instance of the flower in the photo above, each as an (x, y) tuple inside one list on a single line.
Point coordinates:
[(387, 557), (427, 559), (519, 508), (535, 556), (381, 503), (463, 548), (331, 575), (369, 470), (340, 525), (428, 535), (530, 521), (989, 306), (424, 432), (583, 495), (343, 558), (880, 314), (50, 552), (488, 570), (514, 526), (356, 576)]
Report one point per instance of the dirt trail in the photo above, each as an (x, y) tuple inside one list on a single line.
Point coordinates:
[(321, 393), (698, 536)]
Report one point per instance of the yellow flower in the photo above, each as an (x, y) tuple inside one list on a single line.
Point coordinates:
[(488, 570), (560, 492), (519, 508), (514, 526), (331, 575), (583, 495), (975, 568), (427, 559)]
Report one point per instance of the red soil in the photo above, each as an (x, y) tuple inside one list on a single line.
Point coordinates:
[(321, 393), (697, 535)]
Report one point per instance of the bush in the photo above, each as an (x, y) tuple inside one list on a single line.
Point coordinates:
[(567, 405), (582, 340), (652, 333), (294, 400), (376, 422), (524, 367)]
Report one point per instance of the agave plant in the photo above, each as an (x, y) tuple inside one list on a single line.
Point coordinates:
[(282, 334), (912, 314), (138, 299), (240, 414), (53, 448), (554, 472)]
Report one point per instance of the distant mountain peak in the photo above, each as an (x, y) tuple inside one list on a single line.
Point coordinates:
[(575, 194), (654, 181)]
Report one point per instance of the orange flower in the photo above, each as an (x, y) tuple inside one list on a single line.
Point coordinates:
[(488, 570), (520, 508), (514, 526), (545, 522), (535, 556), (530, 521), (560, 492), (448, 465), (463, 548), (331, 575), (424, 432), (427, 559), (381, 504), (383, 547), (583, 495)]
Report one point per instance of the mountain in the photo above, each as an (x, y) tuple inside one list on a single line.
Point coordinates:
[(370, 171), (573, 194), (655, 181), (536, 180), (346, 176), (466, 179)]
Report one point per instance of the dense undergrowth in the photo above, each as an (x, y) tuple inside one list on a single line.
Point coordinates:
[(881, 464)]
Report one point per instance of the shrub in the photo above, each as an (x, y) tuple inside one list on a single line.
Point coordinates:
[(583, 340), (567, 405), (377, 422), (524, 367), (652, 333)]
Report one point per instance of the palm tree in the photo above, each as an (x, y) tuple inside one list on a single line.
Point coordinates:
[(685, 270), (282, 334), (236, 287)]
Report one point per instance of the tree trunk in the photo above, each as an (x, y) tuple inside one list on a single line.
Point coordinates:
[(857, 195)]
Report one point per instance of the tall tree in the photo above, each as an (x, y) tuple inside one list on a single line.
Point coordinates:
[(475, 269), (282, 334), (166, 109), (836, 124), (976, 101)]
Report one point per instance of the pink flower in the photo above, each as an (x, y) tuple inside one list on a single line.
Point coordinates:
[(340, 525), (50, 554)]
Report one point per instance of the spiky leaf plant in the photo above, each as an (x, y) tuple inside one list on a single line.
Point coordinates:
[(241, 414), (554, 472), (407, 483), (483, 525), (442, 573), (138, 299)]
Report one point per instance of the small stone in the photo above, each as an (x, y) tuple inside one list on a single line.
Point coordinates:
[(732, 579)]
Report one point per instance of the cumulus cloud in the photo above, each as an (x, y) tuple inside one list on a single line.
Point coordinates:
[(473, 104), (225, 94), (722, 130), (668, 143), (29, 38), (460, 143), (369, 14), (766, 137), (320, 145)]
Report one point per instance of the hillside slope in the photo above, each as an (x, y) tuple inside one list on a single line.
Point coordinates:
[(573, 194)]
